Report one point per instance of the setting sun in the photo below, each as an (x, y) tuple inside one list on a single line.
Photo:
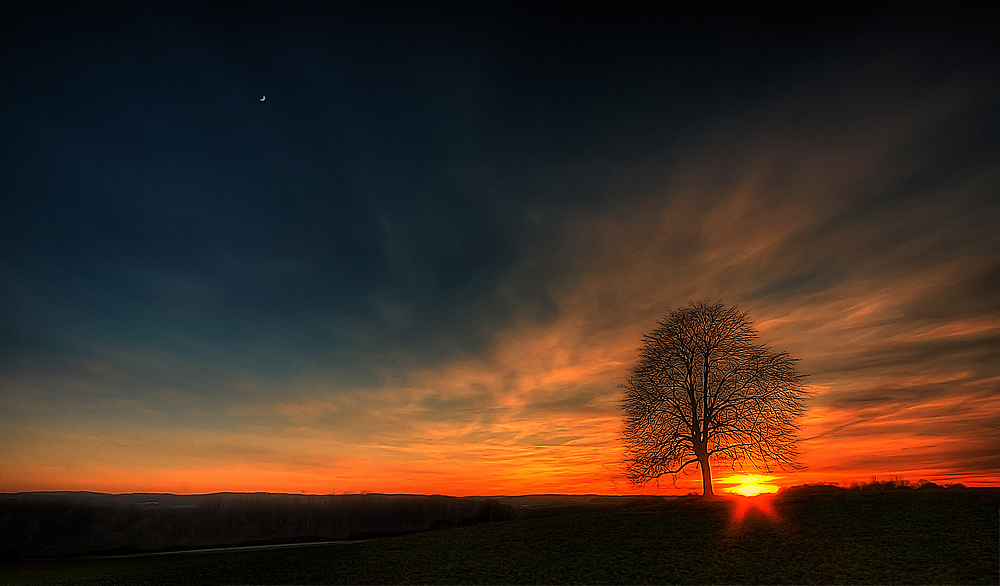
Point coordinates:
[(752, 486)]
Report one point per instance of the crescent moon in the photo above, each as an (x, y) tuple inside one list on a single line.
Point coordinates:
[(262, 98)]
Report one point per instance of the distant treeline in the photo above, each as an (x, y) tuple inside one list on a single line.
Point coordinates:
[(60, 525), (893, 483)]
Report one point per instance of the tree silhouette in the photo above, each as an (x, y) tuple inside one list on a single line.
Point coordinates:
[(704, 390)]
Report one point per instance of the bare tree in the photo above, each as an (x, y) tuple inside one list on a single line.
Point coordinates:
[(704, 390)]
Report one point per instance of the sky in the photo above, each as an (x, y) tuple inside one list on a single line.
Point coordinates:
[(414, 247)]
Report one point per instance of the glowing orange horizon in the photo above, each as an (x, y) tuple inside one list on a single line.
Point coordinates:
[(245, 478)]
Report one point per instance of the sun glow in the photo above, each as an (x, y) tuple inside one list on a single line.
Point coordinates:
[(762, 503), (751, 485)]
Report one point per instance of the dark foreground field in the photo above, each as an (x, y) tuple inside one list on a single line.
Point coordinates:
[(892, 537)]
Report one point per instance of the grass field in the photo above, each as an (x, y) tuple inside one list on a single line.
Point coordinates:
[(892, 537)]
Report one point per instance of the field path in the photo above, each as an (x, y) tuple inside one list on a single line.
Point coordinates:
[(240, 548)]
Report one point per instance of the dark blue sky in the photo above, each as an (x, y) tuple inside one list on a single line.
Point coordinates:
[(425, 182)]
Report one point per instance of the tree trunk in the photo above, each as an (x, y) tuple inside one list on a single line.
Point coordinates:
[(706, 477)]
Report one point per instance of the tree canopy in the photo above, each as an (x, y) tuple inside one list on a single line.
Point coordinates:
[(705, 390)]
